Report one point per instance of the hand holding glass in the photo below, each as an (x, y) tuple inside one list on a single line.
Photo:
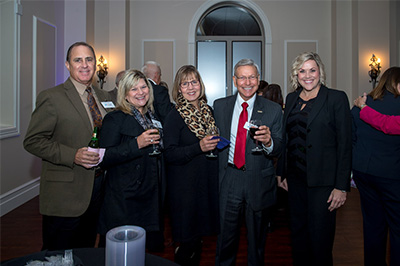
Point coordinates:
[(254, 125), (212, 131), (155, 146)]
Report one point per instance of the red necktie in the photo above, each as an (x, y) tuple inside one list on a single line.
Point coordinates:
[(94, 109), (240, 146)]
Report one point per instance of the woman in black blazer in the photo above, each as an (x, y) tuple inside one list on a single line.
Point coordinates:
[(316, 161), (135, 184), (376, 172)]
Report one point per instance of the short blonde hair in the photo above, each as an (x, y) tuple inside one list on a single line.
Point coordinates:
[(182, 74), (298, 63), (129, 80)]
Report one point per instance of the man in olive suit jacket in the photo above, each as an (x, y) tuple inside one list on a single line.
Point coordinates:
[(59, 132)]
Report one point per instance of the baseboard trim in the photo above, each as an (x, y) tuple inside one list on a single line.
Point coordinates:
[(18, 196)]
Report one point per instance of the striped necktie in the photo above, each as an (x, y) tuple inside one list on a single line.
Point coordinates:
[(94, 109)]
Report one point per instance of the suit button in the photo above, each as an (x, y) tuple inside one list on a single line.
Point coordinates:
[(138, 167), (139, 182)]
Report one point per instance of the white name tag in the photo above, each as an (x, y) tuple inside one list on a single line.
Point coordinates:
[(247, 126), (109, 104), (156, 123)]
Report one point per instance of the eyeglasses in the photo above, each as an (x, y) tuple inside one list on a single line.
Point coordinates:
[(243, 78), (193, 82)]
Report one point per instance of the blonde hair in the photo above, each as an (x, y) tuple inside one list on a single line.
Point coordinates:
[(129, 80), (298, 63), (183, 74)]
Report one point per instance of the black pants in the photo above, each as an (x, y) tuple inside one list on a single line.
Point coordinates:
[(74, 232)]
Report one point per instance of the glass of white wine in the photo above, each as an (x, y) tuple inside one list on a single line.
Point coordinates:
[(212, 131), (254, 125), (155, 151)]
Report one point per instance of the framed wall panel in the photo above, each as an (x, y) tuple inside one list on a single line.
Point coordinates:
[(44, 67), (163, 52), (10, 13), (292, 49)]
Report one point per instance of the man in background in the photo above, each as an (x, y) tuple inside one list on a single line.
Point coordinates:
[(162, 103), (113, 93), (59, 131)]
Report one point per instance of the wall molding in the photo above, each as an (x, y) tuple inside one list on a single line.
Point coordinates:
[(18, 196)]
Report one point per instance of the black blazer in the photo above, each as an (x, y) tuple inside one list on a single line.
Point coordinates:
[(328, 139), (375, 152), (259, 167), (162, 104)]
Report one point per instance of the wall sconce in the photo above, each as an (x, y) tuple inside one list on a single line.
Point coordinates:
[(102, 72), (375, 70)]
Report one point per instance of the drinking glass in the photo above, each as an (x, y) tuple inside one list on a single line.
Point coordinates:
[(212, 131), (254, 125), (155, 151)]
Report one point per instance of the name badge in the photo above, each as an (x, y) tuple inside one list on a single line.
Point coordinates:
[(247, 126), (156, 123), (109, 104)]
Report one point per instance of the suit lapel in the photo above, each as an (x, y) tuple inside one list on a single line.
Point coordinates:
[(76, 101), (318, 104), (227, 123)]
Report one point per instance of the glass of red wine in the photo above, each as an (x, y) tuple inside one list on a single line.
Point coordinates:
[(254, 125)]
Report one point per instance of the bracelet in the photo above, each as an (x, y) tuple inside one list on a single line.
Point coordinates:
[(343, 191), (362, 106)]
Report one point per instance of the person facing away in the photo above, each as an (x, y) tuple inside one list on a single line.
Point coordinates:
[(60, 129), (162, 103), (273, 92), (246, 179), (192, 176), (376, 172), (316, 160), (113, 93)]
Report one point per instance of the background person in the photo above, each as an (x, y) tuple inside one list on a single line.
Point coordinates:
[(70, 194), (316, 159), (246, 180), (376, 172), (162, 103), (135, 182), (389, 124), (113, 93), (262, 86), (191, 176), (273, 92)]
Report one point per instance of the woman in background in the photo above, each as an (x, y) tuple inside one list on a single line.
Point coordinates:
[(134, 179), (316, 160), (388, 124), (376, 172), (273, 92), (192, 177)]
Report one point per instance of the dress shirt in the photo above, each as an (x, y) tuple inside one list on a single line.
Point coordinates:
[(83, 94), (237, 109)]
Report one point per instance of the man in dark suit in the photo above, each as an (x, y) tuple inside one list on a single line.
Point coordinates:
[(59, 132), (114, 93), (162, 103), (247, 179)]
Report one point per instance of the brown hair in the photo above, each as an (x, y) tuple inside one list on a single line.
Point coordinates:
[(273, 92), (388, 82), (181, 75)]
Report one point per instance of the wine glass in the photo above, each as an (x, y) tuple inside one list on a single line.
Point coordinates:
[(155, 151), (254, 125), (212, 131)]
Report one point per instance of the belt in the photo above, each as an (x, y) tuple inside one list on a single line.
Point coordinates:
[(243, 168)]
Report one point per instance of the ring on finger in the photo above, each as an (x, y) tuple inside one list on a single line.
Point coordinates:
[(151, 140)]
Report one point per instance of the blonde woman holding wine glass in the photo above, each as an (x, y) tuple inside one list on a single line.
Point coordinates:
[(192, 176)]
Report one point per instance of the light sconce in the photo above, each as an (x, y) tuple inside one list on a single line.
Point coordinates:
[(102, 72), (375, 70)]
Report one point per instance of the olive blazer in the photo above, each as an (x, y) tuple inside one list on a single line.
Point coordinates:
[(59, 127)]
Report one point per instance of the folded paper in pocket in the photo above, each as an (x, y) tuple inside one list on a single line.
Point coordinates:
[(223, 142)]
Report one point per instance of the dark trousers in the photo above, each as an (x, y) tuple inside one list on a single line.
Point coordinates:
[(233, 206), (312, 224), (74, 232), (380, 206)]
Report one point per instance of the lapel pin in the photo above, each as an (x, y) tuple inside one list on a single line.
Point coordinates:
[(259, 111)]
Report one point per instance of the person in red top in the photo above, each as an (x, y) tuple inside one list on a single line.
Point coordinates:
[(388, 124)]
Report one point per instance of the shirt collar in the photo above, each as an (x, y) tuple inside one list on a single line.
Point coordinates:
[(79, 86), (239, 100)]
